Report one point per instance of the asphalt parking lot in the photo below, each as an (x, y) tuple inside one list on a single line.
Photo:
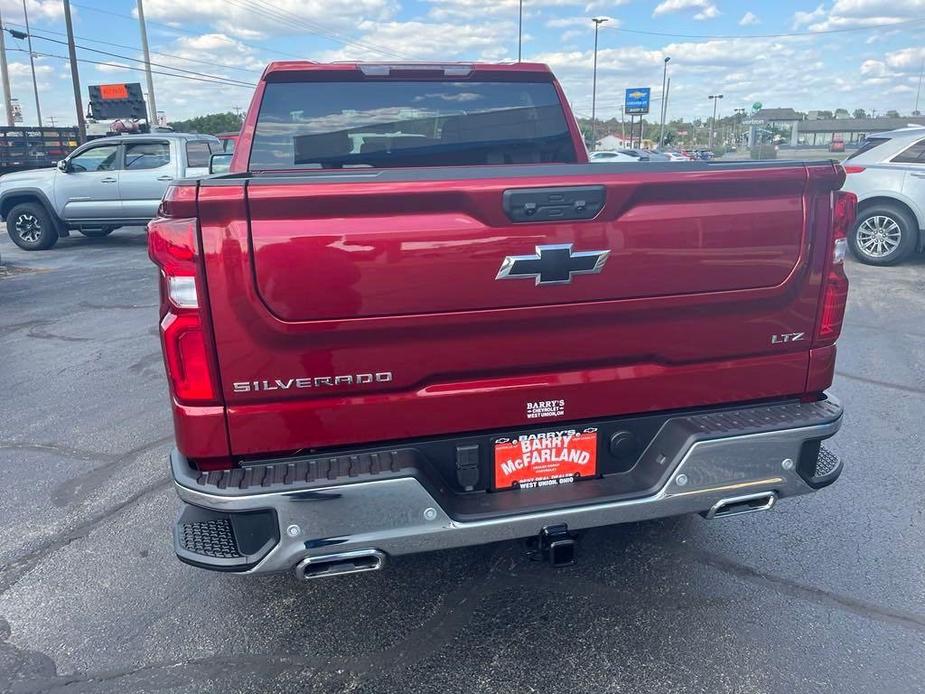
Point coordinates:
[(824, 594)]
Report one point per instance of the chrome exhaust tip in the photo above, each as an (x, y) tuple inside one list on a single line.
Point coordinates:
[(737, 505), (354, 562)]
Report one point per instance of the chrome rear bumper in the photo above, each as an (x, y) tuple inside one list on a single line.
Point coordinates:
[(706, 471)]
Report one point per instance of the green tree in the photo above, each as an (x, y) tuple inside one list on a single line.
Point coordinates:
[(210, 124), (892, 114), (859, 113)]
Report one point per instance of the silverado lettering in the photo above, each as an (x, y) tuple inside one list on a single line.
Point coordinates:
[(316, 382), (364, 218)]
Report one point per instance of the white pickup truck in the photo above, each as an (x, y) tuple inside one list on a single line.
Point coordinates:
[(103, 185)]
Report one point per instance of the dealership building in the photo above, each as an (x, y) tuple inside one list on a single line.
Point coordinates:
[(822, 132), (819, 132)]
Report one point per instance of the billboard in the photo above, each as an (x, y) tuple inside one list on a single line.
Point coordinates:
[(637, 101), (123, 100)]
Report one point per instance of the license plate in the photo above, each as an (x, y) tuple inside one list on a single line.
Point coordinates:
[(544, 459)]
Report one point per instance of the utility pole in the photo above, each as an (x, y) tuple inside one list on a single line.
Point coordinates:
[(5, 75), (715, 99), (520, 30), (597, 25), (75, 76), (152, 107), (661, 132), (35, 84)]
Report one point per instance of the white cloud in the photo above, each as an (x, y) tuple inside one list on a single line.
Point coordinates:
[(801, 19), (748, 19), (845, 14), (706, 9), (418, 40), (38, 9), (584, 22), (470, 9), (785, 72), (264, 18), (117, 67)]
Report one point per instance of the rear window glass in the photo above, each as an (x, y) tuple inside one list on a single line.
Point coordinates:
[(409, 123), (198, 153), (913, 155), (868, 145)]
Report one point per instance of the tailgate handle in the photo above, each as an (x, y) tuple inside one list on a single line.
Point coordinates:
[(553, 204)]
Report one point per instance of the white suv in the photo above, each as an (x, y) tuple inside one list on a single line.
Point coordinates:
[(887, 173)]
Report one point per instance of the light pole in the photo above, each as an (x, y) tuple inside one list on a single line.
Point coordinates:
[(152, 107), (597, 25), (918, 92), (715, 99), (520, 30), (661, 132)]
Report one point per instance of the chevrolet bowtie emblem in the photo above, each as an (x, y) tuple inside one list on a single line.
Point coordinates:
[(552, 264)]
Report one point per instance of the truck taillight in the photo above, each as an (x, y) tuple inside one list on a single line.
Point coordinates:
[(173, 245), (186, 358), (835, 291)]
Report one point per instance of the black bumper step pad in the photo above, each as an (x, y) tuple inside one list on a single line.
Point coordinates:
[(818, 466), (210, 538), (225, 541)]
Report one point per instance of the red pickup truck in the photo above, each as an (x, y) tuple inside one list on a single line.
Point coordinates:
[(413, 316)]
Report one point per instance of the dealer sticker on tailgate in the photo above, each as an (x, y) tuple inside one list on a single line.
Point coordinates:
[(545, 458)]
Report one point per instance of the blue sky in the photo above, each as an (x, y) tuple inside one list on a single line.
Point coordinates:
[(809, 55)]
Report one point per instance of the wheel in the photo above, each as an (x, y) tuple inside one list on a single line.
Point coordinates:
[(31, 228), (883, 235), (97, 233)]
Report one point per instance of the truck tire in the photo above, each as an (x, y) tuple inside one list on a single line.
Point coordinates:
[(884, 234), (97, 233), (31, 228)]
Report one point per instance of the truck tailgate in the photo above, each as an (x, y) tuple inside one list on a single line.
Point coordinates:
[(374, 304)]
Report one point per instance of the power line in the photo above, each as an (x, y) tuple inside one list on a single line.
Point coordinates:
[(196, 34), (38, 34), (770, 36), (241, 85), (228, 80), (281, 16), (288, 18)]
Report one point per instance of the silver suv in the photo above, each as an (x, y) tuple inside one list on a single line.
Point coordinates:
[(887, 173), (105, 184)]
